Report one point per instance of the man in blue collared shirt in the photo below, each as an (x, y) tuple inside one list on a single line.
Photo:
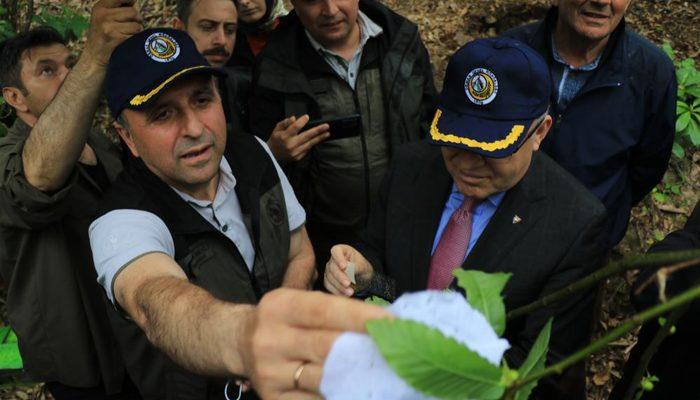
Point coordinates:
[(482, 215), (480, 196), (614, 103)]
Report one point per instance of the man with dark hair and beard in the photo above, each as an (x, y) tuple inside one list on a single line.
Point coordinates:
[(213, 24)]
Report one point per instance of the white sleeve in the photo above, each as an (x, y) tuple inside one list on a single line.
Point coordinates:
[(120, 237), (295, 212)]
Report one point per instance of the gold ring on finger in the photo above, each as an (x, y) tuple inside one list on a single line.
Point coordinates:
[(297, 374)]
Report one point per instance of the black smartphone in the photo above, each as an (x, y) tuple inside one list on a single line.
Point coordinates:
[(340, 128)]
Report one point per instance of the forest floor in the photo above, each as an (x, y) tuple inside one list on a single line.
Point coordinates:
[(445, 26)]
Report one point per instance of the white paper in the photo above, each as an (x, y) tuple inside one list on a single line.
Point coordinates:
[(350, 272), (355, 369)]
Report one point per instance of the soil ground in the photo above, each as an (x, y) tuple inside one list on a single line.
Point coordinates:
[(446, 25)]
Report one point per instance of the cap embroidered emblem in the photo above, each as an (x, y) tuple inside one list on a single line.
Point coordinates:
[(481, 86), (162, 47), (517, 219)]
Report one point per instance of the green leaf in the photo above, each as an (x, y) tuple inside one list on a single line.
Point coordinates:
[(10, 359), (6, 30), (658, 235), (682, 75), (377, 301), (678, 150), (660, 197), (4, 334), (510, 376), (688, 63), (484, 294), (683, 121), (696, 105), (681, 107), (668, 50), (434, 364), (647, 386), (694, 132), (693, 90), (693, 78), (68, 23), (534, 363)]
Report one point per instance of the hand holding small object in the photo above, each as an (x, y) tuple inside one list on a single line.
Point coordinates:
[(347, 270)]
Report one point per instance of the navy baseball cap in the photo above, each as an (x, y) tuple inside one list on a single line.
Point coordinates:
[(145, 65), (493, 90)]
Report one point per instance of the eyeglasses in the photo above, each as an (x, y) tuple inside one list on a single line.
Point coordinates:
[(527, 137)]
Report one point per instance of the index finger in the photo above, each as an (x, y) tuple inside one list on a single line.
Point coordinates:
[(299, 123), (317, 310), (338, 256), (284, 124)]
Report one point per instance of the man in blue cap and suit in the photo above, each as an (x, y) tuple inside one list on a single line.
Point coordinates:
[(480, 196)]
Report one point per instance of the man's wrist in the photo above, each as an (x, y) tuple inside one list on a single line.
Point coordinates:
[(239, 355), (92, 62)]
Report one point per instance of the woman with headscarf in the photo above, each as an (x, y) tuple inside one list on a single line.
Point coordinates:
[(256, 21)]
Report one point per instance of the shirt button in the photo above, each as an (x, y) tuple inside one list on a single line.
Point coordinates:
[(224, 228)]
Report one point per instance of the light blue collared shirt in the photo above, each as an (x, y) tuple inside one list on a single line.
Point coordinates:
[(570, 79), (349, 70), (481, 217)]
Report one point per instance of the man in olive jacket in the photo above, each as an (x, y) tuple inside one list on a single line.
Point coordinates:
[(335, 59), (53, 169)]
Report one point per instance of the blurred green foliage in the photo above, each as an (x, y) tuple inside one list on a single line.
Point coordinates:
[(688, 105), (67, 22)]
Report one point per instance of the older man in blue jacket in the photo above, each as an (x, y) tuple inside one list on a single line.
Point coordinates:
[(614, 102)]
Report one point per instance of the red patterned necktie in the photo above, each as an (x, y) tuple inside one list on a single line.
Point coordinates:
[(452, 247)]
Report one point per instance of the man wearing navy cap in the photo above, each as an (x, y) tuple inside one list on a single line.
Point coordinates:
[(195, 228), (478, 195)]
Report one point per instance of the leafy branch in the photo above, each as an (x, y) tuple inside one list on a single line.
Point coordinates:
[(614, 268), (651, 349), (594, 347), (439, 366)]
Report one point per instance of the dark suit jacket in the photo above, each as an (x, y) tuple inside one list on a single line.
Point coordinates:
[(559, 240), (677, 360)]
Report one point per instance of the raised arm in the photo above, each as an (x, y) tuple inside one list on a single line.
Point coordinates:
[(58, 137)]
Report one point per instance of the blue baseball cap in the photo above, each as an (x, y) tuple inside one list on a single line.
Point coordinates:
[(493, 90), (145, 65)]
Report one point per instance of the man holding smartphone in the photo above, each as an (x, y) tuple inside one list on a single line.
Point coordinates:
[(363, 70)]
